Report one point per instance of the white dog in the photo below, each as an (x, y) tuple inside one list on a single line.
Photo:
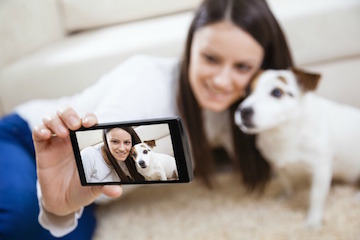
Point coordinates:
[(295, 127), (152, 165)]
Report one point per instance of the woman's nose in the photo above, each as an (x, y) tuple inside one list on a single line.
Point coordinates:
[(223, 77), (121, 147)]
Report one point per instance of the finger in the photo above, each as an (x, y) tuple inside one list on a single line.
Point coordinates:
[(89, 120), (55, 125), (112, 190), (70, 118), (41, 133)]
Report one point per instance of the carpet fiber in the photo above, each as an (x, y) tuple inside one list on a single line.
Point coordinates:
[(191, 211)]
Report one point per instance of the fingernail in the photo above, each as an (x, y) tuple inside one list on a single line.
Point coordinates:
[(61, 129), (73, 121), (43, 131), (87, 119), (46, 118)]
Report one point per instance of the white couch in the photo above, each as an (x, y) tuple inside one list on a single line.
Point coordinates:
[(51, 48)]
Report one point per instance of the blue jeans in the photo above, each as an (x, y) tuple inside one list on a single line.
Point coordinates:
[(19, 207)]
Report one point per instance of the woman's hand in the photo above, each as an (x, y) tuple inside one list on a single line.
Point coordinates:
[(62, 192)]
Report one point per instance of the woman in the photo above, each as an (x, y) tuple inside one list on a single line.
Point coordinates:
[(228, 42), (111, 162)]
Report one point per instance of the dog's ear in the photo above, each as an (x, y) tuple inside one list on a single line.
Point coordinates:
[(254, 81), (307, 80), (132, 153), (151, 143)]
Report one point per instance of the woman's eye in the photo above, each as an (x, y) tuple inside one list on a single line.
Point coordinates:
[(243, 67), (210, 58), (276, 92)]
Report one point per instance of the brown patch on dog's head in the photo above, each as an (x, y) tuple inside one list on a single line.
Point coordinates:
[(283, 79), (151, 143), (133, 153), (308, 81)]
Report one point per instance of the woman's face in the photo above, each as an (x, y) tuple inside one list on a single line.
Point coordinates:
[(223, 59), (119, 142)]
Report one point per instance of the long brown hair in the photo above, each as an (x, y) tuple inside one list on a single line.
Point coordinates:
[(254, 17), (135, 176)]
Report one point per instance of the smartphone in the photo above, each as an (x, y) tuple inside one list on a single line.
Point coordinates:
[(133, 152)]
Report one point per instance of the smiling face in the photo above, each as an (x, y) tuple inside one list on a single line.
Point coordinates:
[(223, 60), (120, 143)]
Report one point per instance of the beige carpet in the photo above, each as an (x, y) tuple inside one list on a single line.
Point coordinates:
[(190, 211)]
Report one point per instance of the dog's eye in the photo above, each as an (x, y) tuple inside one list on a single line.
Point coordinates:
[(277, 92), (145, 151)]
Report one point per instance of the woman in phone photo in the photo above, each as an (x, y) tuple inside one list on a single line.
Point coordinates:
[(111, 161)]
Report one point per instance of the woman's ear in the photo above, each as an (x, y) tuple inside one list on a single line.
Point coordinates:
[(307, 80)]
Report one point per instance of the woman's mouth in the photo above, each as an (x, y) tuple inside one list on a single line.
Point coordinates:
[(214, 92), (121, 154)]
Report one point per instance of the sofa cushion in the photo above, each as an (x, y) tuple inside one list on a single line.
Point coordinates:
[(321, 30), (340, 80), (160, 133), (27, 25), (68, 66), (85, 14)]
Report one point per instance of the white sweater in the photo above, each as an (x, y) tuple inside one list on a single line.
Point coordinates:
[(96, 169), (142, 87)]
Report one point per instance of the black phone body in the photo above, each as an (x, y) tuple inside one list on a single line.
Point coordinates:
[(171, 144)]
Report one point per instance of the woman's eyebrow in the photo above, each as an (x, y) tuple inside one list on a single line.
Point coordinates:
[(208, 49)]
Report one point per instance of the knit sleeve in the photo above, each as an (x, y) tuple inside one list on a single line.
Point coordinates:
[(57, 225)]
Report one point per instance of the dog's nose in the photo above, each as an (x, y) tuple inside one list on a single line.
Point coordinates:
[(246, 113), (142, 164)]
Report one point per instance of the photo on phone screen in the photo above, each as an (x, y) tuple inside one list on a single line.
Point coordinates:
[(137, 152)]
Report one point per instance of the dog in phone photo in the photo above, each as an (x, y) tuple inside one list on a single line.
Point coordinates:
[(153, 165), (295, 127)]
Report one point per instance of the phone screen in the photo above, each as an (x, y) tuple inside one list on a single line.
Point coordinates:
[(133, 152)]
